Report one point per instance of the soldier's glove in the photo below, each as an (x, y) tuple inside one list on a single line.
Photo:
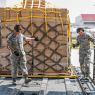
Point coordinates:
[(36, 39), (73, 45), (16, 53)]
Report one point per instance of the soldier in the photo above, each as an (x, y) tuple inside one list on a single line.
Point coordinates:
[(83, 40), (18, 57)]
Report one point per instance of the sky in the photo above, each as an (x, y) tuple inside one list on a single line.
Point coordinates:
[(75, 7)]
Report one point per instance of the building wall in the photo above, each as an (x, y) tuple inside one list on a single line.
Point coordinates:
[(89, 24), (79, 21)]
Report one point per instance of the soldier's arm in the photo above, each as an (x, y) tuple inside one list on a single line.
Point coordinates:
[(28, 39), (9, 45), (8, 42), (91, 39), (77, 43)]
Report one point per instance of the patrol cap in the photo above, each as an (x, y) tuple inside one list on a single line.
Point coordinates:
[(79, 29), (17, 27)]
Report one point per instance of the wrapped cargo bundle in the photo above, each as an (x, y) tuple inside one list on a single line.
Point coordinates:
[(51, 54)]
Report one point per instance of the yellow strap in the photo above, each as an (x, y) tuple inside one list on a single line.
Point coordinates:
[(61, 22), (31, 16), (17, 18), (69, 31), (45, 19)]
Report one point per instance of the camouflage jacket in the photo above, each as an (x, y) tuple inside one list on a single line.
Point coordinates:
[(84, 42), (15, 43)]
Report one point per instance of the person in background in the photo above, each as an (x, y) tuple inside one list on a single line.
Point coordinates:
[(18, 57), (83, 41)]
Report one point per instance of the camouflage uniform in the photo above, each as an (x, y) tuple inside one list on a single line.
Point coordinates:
[(84, 52), (15, 43)]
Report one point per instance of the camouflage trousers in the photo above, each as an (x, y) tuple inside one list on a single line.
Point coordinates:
[(18, 63), (84, 59)]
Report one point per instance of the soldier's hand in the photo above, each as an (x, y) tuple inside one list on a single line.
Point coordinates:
[(16, 53), (94, 43), (36, 39), (73, 45)]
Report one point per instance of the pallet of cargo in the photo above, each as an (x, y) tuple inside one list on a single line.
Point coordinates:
[(48, 56)]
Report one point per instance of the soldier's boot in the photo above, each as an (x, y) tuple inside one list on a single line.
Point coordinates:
[(81, 67), (14, 81), (83, 70), (27, 80), (87, 74)]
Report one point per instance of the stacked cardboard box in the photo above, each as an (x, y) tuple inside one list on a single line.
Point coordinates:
[(49, 55)]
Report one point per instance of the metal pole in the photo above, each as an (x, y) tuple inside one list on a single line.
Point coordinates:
[(32, 65), (0, 37), (94, 65)]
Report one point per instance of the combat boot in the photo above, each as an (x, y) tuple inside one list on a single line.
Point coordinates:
[(27, 80), (82, 69), (14, 81)]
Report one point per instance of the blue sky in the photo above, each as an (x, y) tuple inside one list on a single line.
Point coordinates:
[(75, 7)]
